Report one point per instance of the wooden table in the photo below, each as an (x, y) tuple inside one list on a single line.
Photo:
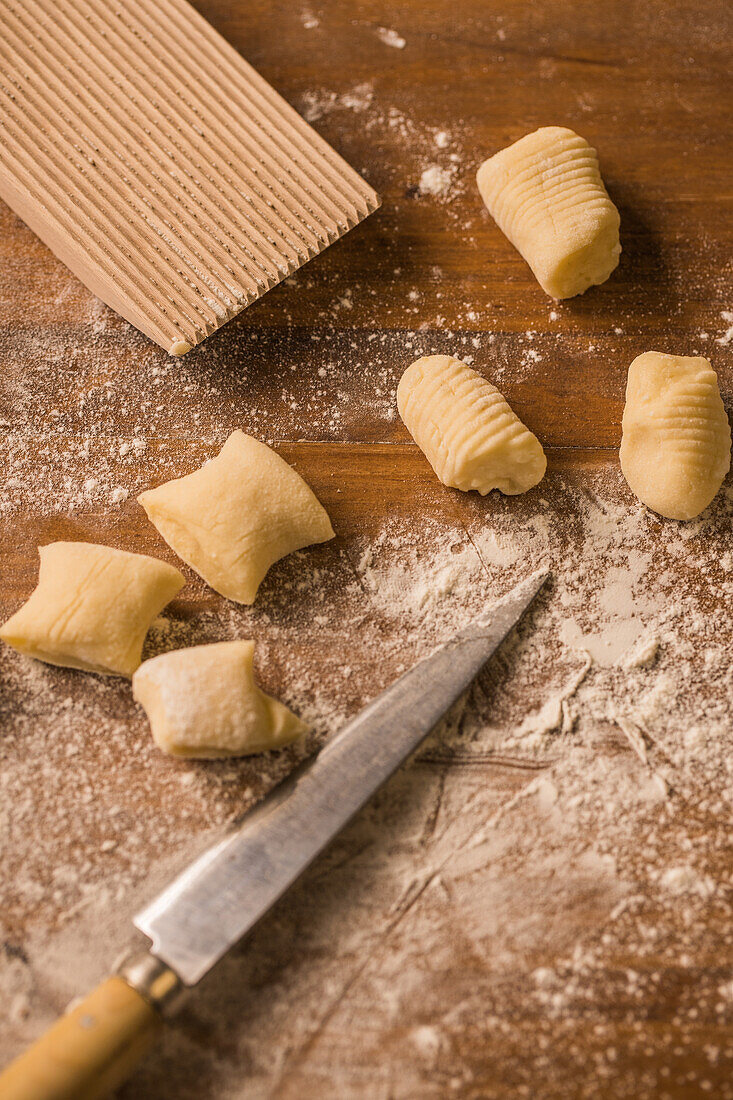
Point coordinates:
[(538, 909)]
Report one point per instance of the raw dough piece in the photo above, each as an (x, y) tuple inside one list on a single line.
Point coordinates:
[(546, 194), (92, 607), (236, 516), (465, 428), (675, 449), (203, 702)]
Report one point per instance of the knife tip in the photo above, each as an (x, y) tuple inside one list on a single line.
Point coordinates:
[(521, 596), (535, 581)]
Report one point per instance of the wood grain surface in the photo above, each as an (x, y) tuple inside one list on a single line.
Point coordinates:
[(426, 956)]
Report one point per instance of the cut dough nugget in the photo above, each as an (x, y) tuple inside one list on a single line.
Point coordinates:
[(203, 702), (236, 516), (546, 194), (465, 428), (92, 607), (675, 449)]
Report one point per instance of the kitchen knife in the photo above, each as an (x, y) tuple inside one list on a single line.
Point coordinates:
[(226, 891)]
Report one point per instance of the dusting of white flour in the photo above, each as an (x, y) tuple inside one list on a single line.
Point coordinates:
[(435, 180), (554, 864), (391, 38)]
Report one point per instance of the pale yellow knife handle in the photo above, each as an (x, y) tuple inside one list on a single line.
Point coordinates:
[(89, 1051)]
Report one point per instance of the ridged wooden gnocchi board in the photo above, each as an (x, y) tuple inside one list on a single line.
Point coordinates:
[(158, 165)]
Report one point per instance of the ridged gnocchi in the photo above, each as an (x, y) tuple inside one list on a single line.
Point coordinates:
[(203, 703), (237, 515), (465, 428), (675, 449), (92, 607), (546, 194)]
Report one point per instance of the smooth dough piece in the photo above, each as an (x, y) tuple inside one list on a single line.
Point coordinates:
[(675, 449), (546, 194), (236, 516), (92, 607), (203, 702), (465, 428)]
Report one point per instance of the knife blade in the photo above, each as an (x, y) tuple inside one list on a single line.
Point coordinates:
[(223, 894)]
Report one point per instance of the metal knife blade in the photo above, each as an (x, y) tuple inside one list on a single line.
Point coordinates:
[(222, 895)]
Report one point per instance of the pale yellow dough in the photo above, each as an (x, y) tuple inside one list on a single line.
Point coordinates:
[(675, 449), (236, 516), (92, 607), (203, 702), (465, 428), (546, 194)]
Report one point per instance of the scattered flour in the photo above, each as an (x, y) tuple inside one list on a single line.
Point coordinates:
[(628, 815), (685, 879), (435, 180), (318, 104), (643, 654), (391, 38), (727, 336), (606, 880)]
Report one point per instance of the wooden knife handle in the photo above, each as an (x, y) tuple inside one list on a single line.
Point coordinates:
[(89, 1051)]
